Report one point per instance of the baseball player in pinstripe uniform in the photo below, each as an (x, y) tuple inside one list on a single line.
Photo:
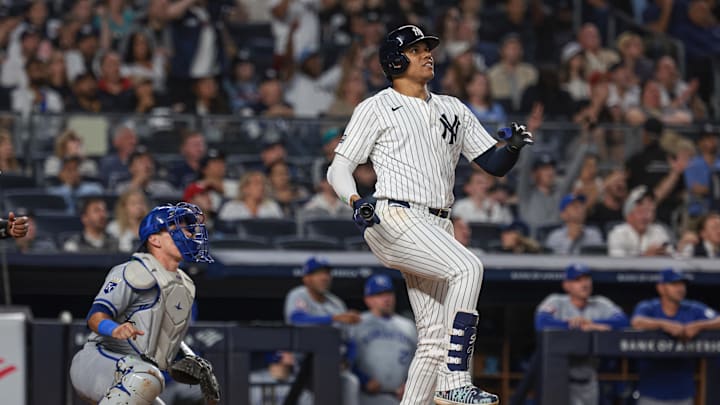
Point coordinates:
[(414, 140)]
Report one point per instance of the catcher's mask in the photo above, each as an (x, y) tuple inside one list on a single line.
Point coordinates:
[(174, 219)]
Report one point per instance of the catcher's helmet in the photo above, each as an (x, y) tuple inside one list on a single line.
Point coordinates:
[(392, 60), (173, 219)]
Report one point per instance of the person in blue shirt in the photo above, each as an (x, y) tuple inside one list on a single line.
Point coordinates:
[(579, 309), (670, 381)]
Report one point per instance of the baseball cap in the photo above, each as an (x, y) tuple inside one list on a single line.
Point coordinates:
[(569, 199), (544, 159), (314, 264), (636, 195), (671, 275), (194, 189), (575, 271), (211, 154), (378, 283)]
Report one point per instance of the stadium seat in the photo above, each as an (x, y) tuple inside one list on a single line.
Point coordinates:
[(336, 229), (37, 200), (267, 228), (307, 243), (483, 234)]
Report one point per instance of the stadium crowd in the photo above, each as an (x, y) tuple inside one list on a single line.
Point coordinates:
[(650, 72)]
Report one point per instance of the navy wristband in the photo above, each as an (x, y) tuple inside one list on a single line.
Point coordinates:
[(106, 327)]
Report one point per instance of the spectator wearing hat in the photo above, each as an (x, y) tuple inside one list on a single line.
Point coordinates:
[(253, 200), (510, 76), (639, 235), (130, 208), (574, 234), (94, 237), (385, 344), (312, 304), (114, 166), (660, 171), (671, 381), (702, 175), (213, 173), (80, 59), (578, 309), (242, 85), (192, 149), (36, 97), (514, 239), (13, 72), (479, 206), (141, 166)]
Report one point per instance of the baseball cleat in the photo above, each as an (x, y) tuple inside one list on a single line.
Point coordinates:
[(466, 395)]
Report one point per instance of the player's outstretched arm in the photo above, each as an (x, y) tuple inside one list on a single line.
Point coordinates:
[(499, 161)]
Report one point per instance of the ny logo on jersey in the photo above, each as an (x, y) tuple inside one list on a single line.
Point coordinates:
[(452, 128)]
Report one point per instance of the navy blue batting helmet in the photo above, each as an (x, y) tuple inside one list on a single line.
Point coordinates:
[(176, 219), (392, 59)]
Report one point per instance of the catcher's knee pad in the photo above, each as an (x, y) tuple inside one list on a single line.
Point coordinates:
[(136, 383), (462, 341)]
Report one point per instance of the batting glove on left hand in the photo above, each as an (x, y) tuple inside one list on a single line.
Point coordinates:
[(364, 215), (516, 136)]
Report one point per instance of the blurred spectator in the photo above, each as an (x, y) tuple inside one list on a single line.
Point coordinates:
[(198, 193), (36, 97), (283, 188), (57, 76), (94, 237), (8, 160), (271, 101), (142, 60), (632, 56), (300, 16), (242, 85), (479, 100), (588, 182), (70, 183), (14, 67), (350, 92), (709, 232), (654, 167), (675, 93), (253, 200), (479, 206), (597, 58), (385, 344), (85, 96), (639, 235), (669, 381), (33, 243), (623, 92), (461, 231), (578, 309), (511, 76), (141, 166), (574, 234), (702, 175), (67, 145), (114, 19), (198, 45), (114, 167), (213, 173), (113, 88), (514, 239), (573, 73), (609, 209), (309, 82), (130, 209), (80, 59), (192, 150)]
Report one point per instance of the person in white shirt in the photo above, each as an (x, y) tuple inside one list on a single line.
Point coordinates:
[(639, 235), (479, 206)]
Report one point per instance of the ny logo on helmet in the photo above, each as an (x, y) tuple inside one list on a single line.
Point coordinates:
[(452, 128)]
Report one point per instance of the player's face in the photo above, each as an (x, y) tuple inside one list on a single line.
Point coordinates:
[(580, 288), (421, 66), (382, 304)]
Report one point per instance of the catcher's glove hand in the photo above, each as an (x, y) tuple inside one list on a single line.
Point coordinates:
[(195, 370)]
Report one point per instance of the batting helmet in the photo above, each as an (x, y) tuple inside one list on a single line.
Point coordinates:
[(174, 219), (393, 61)]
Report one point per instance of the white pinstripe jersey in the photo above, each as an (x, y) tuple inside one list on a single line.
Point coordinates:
[(414, 144)]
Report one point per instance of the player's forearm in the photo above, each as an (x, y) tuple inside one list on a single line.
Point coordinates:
[(340, 177), (497, 161)]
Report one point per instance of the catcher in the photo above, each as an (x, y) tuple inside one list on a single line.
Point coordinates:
[(141, 315)]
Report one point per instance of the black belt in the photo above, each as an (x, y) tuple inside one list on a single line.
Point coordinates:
[(435, 211)]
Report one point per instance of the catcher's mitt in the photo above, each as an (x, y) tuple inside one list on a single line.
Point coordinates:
[(195, 370)]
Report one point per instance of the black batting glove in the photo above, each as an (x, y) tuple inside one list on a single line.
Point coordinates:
[(516, 137)]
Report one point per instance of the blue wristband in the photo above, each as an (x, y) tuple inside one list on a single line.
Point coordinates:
[(106, 327)]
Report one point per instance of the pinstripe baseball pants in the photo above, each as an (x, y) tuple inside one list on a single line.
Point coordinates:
[(442, 277)]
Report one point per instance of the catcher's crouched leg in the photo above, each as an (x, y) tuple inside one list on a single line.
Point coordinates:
[(136, 383)]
